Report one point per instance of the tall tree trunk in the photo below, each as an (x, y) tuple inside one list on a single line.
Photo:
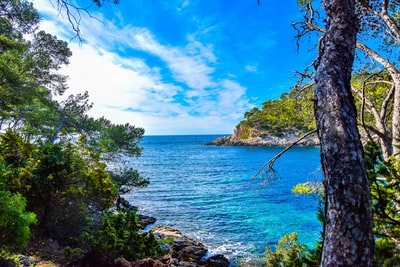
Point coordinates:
[(348, 214)]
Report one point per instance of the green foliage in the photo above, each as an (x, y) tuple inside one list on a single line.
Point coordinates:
[(73, 253), (14, 222), (128, 178), (16, 162), (63, 183), (374, 87), (113, 139), (8, 259), (28, 71), (53, 156), (120, 236), (386, 252), (288, 253), (309, 188), (292, 112), (384, 177)]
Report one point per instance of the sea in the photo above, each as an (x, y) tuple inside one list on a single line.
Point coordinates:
[(209, 193)]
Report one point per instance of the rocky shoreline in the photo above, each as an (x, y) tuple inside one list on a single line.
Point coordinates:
[(266, 140), (182, 251)]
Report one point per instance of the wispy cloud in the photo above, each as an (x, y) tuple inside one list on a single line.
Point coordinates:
[(188, 65), (180, 92), (251, 68), (182, 4)]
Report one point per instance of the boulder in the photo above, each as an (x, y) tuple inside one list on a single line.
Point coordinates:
[(187, 252), (217, 260), (147, 263), (145, 220), (182, 247)]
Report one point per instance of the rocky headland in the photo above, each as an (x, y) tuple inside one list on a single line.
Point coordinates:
[(243, 136)]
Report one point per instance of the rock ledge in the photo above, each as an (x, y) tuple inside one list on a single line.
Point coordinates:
[(265, 140), (187, 252)]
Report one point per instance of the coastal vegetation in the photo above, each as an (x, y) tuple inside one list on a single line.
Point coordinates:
[(61, 171), (293, 112)]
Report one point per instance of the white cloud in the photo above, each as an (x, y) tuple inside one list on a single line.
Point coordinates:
[(185, 66), (182, 5), (251, 68), (128, 88)]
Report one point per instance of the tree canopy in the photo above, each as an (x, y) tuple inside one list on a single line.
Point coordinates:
[(56, 176)]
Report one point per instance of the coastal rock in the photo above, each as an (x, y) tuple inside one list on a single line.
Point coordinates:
[(217, 261), (187, 252), (265, 140), (25, 261), (145, 220), (144, 263), (182, 247)]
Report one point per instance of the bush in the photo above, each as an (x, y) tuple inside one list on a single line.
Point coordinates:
[(119, 236), (14, 222), (288, 252)]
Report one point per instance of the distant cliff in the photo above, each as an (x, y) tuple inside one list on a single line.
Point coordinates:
[(246, 136)]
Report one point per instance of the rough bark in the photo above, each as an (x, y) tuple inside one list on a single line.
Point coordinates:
[(348, 215)]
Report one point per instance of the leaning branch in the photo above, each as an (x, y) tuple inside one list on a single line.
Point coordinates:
[(268, 166)]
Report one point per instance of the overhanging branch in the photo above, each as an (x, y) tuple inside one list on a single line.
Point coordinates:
[(268, 166)]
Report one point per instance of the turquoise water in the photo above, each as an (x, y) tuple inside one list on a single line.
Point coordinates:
[(207, 193)]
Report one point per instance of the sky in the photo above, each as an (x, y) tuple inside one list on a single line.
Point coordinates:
[(180, 66)]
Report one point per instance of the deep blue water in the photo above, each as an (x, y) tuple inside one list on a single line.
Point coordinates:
[(207, 193)]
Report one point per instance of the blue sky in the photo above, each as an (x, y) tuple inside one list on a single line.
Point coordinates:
[(181, 66)]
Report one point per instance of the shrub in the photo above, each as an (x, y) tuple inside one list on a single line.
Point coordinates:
[(120, 236), (14, 222), (288, 252)]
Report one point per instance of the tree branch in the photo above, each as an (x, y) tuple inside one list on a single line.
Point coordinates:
[(268, 166), (73, 13)]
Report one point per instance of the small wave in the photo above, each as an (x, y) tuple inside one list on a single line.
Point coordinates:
[(239, 254)]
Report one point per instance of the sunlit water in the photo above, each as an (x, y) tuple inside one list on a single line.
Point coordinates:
[(206, 192)]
